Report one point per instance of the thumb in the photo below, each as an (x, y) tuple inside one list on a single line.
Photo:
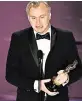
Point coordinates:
[(47, 80), (60, 72)]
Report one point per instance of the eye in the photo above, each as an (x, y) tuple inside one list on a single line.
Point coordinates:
[(33, 17), (42, 16)]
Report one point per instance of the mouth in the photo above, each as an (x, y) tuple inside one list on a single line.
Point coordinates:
[(39, 27)]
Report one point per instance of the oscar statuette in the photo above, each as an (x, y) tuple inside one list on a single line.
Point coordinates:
[(54, 84)]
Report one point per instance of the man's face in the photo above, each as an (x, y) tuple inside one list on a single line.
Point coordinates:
[(39, 18)]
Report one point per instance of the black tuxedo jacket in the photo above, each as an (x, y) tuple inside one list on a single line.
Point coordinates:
[(22, 63)]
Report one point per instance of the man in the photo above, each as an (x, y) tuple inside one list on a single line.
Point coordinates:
[(59, 50)]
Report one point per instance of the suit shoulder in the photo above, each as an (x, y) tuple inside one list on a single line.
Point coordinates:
[(22, 32), (65, 35), (63, 31)]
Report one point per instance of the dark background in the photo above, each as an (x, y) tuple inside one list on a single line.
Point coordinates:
[(65, 14)]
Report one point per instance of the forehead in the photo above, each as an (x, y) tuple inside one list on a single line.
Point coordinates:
[(37, 11)]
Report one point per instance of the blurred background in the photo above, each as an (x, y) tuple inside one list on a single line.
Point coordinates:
[(65, 14)]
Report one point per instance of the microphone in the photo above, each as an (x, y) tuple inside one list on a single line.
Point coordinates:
[(40, 54)]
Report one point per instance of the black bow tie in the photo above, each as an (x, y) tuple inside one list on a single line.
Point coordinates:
[(45, 36)]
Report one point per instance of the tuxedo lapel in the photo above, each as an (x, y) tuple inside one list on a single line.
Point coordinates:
[(33, 45), (53, 36)]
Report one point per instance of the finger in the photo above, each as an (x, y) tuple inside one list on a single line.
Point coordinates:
[(60, 72), (49, 92), (66, 81), (55, 90), (53, 93), (60, 79), (47, 80)]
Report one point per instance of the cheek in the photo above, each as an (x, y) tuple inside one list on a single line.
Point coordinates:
[(45, 22), (32, 23)]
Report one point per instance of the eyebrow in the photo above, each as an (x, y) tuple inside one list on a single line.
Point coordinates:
[(40, 15)]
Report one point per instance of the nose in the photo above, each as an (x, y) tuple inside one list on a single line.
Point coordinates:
[(37, 22)]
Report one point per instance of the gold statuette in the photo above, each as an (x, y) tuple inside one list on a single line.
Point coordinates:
[(56, 82)]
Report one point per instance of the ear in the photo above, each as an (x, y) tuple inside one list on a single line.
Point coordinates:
[(50, 16), (28, 17)]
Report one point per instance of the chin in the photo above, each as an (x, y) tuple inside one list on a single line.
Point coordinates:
[(40, 31)]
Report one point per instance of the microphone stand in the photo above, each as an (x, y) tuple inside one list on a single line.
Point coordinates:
[(40, 62)]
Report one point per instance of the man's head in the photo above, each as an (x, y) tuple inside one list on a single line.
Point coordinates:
[(39, 15)]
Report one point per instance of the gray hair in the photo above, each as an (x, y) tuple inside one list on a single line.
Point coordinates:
[(35, 4)]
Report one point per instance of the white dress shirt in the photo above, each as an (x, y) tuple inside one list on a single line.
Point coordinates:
[(44, 45)]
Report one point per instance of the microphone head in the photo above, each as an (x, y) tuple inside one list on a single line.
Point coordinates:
[(40, 54)]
